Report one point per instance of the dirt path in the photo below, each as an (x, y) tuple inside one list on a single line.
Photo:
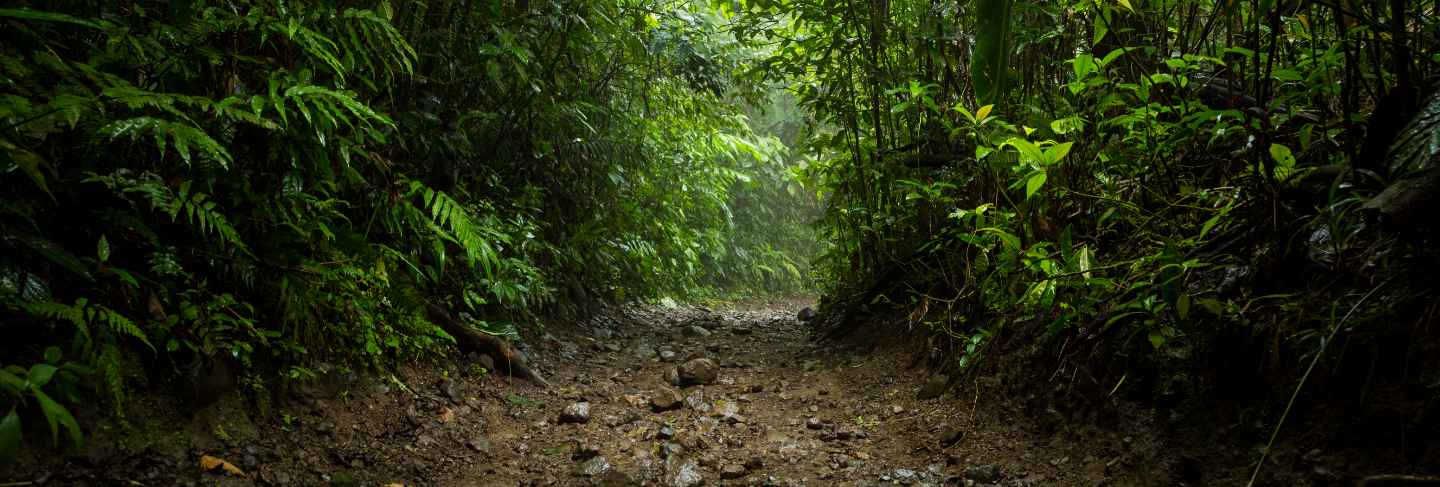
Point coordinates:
[(762, 404)]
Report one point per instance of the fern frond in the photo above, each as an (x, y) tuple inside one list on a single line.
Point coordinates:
[(181, 135), (201, 213), (116, 323), (447, 213), (108, 363)]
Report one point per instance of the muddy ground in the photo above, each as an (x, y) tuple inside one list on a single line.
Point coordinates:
[(759, 403)]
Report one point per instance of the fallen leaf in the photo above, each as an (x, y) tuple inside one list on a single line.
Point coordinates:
[(209, 464), (395, 484), (446, 415)]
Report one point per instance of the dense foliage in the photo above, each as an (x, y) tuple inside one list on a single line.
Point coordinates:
[(272, 189), (1160, 197), (1176, 192)]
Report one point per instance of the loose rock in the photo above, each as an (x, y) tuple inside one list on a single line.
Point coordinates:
[(982, 473), (665, 400), (732, 471), (698, 371), (576, 413), (934, 387), (595, 466)]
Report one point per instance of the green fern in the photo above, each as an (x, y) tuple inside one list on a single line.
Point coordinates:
[(116, 323), (449, 214), (203, 214), (164, 132), (108, 364)]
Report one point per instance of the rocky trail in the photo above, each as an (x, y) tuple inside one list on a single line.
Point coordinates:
[(641, 396)]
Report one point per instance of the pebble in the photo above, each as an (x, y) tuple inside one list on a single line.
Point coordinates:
[(595, 467), (665, 400), (982, 473), (576, 413)]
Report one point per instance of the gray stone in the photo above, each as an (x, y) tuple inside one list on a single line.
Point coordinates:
[(732, 471), (948, 435), (576, 413), (698, 372), (665, 400), (814, 423), (595, 466), (988, 472), (697, 331), (668, 356), (681, 472), (451, 390)]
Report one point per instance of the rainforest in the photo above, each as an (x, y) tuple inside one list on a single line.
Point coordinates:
[(726, 242)]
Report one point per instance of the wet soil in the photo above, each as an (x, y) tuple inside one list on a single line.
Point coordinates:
[(780, 409)]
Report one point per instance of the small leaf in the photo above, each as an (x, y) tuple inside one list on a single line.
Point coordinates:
[(52, 355), (209, 464), (983, 112), (102, 249), (1182, 306), (1156, 338)]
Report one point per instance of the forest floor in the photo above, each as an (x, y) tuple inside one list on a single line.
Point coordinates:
[(775, 408)]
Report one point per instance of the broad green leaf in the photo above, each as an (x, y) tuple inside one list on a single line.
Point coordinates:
[(1157, 339), (1182, 306), (990, 64), (1062, 126), (1033, 183), (12, 382), (1011, 241), (1028, 151), (102, 249), (27, 14), (1083, 65), (10, 436), (963, 111), (56, 415), (40, 375), (1057, 152), (983, 112), (1282, 156)]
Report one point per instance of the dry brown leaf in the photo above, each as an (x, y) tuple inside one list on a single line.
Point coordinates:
[(446, 415), (395, 484), (209, 464)]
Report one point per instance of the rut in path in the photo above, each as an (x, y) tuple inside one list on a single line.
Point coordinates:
[(771, 407)]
